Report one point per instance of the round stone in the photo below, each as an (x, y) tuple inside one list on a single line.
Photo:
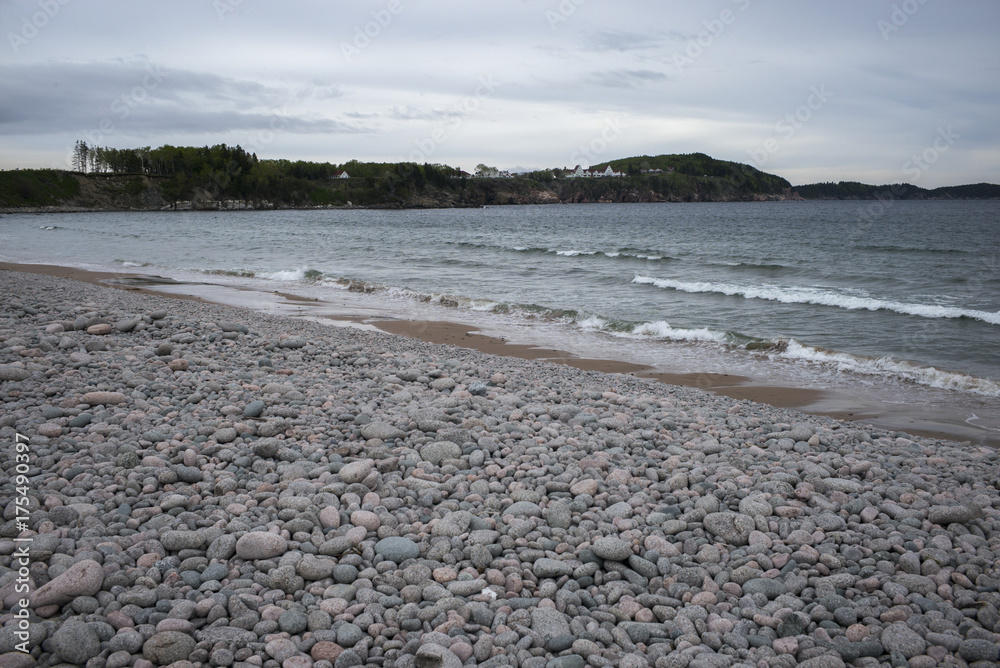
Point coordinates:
[(900, 637), (76, 642), (438, 451), (167, 647), (733, 528), (13, 373), (260, 545), (356, 471), (612, 549), (293, 621), (103, 398), (397, 549), (349, 635)]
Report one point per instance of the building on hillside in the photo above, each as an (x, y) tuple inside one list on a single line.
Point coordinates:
[(581, 173), (340, 175)]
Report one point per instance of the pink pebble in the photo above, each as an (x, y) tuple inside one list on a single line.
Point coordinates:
[(645, 615), (119, 620), (856, 632), (170, 624), (329, 517), (785, 646), (366, 519), (703, 599), (271, 612), (147, 560), (50, 430)]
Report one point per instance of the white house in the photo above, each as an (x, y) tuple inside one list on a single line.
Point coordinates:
[(581, 173), (340, 175)]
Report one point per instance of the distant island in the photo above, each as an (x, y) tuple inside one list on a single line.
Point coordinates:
[(228, 178)]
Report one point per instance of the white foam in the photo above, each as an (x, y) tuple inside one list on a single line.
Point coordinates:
[(887, 366), (663, 330), (820, 297), (660, 330), (593, 323), (287, 275), (573, 253)]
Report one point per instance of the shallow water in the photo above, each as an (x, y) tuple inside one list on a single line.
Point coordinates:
[(903, 307)]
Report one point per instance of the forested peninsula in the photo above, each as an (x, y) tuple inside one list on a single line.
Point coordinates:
[(227, 178)]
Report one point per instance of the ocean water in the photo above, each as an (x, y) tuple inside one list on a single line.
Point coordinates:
[(896, 302)]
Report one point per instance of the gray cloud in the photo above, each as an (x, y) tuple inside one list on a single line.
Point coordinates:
[(628, 78), (717, 77), (147, 98)]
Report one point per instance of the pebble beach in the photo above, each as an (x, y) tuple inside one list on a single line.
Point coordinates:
[(190, 485)]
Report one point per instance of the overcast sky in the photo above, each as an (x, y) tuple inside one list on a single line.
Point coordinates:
[(828, 90)]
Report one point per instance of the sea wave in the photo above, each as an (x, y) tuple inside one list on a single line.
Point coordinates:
[(820, 297), (302, 274), (888, 366), (663, 331), (624, 253), (755, 266), (660, 331), (914, 249)]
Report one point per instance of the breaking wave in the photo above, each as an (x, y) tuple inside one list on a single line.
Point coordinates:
[(820, 297)]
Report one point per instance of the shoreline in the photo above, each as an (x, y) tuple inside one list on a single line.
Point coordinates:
[(206, 483), (810, 401)]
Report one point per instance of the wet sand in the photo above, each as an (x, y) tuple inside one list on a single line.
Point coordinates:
[(910, 419)]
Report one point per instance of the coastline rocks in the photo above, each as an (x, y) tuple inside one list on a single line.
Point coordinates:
[(438, 451), (612, 549), (325, 505), (13, 373), (382, 431), (254, 409), (945, 515), (397, 549), (898, 637), (732, 528), (260, 545), (84, 578), (75, 642), (103, 398), (167, 647), (356, 471)]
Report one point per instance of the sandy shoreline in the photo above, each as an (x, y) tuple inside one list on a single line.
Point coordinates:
[(812, 401)]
